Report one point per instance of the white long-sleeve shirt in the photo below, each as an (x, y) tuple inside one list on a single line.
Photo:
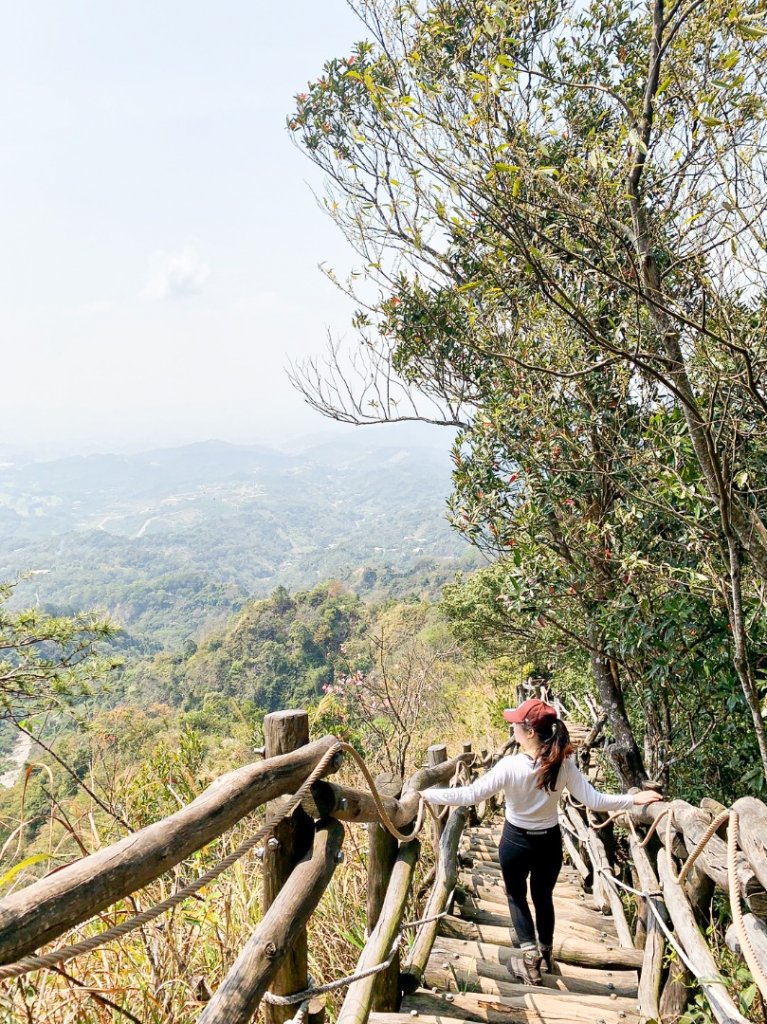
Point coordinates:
[(526, 805)]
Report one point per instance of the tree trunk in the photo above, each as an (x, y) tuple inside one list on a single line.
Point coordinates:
[(624, 752)]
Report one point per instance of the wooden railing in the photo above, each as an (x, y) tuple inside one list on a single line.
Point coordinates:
[(302, 850)]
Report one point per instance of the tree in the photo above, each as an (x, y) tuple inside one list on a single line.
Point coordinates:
[(559, 189), (46, 661)]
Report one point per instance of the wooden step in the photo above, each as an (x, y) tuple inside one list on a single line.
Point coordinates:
[(469, 983), (566, 911), (476, 886), (495, 894), (570, 947), (532, 1003), (491, 962)]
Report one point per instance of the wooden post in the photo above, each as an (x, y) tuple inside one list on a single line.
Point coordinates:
[(444, 883), (436, 755), (696, 948), (357, 1004), (285, 731), (238, 997), (382, 853), (651, 974)]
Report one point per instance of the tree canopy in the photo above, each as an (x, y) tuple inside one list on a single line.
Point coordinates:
[(561, 224)]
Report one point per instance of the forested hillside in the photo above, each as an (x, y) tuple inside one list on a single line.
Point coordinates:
[(170, 542)]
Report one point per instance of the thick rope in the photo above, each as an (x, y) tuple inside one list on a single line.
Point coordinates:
[(749, 953), (317, 990), (718, 821), (386, 821), (34, 963), (733, 883)]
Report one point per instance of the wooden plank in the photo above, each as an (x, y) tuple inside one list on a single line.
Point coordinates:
[(460, 972), (570, 911), (284, 732), (572, 949), (696, 948), (492, 889), (492, 959), (532, 1003), (359, 996), (236, 1000), (444, 883), (40, 912)]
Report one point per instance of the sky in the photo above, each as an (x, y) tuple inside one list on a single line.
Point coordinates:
[(161, 241)]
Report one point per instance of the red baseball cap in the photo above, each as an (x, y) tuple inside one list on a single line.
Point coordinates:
[(536, 712)]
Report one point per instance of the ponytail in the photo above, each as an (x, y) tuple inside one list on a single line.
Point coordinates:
[(555, 746)]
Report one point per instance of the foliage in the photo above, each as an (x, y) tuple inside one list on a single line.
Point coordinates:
[(542, 200), (46, 660), (171, 543)]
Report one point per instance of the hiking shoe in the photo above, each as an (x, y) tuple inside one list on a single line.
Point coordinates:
[(547, 958), (526, 966)]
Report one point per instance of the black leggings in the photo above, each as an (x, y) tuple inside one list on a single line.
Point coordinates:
[(537, 854)]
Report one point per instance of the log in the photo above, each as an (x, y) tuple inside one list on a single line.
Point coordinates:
[(752, 834), (573, 950), (599, 859), (444, 884), (462, 974), (480, 879), (651, 974), (691, 823), (529, 1004), (696, 948), (382, 854), (236, 1000), (675, 995), (599, 888), (756, 929), (575, 858), (429, 776), (489, 962), (45, 909), (571, 911), (359, 997), (436, 755), (566, 901), (284, 732), (330, 800)]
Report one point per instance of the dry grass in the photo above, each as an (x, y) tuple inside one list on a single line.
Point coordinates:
[(162, 973)]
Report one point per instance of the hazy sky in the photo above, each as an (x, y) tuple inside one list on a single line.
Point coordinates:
[(160, 240)]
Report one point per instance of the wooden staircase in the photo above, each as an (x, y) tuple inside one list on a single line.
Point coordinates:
[(595, 979)]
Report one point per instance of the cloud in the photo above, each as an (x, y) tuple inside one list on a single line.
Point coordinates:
[(175, 275)]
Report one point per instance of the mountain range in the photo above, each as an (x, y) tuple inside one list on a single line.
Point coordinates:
[(171, 540)]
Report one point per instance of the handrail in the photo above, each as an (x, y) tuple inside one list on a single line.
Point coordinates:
[(49, 906)]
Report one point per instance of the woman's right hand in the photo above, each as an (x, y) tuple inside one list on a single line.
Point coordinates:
[(646, 796)]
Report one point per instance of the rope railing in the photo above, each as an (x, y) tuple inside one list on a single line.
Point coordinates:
[(68, 952), (119, 931), (677, 878), (410, 812)]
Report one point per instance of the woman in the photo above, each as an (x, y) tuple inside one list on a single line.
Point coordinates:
[(531, 843)]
